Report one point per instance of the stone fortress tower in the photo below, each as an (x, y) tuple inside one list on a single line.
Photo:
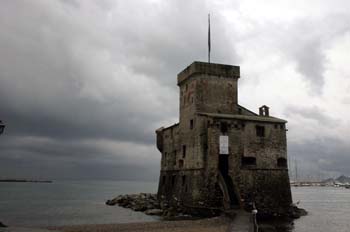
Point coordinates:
[(221, 155)]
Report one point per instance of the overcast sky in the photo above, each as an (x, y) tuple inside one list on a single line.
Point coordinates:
[(84, 84)]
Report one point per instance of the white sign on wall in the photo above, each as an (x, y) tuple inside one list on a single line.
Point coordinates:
[(223, 139)]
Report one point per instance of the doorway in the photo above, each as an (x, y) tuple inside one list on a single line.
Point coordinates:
[(224, 171), (223, 165)]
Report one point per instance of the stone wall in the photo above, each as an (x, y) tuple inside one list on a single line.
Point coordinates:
[(210, 88), (268, 188), (264, 182)]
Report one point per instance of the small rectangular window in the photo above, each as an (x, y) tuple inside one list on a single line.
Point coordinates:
[(260, 131), (248, 161), (173, 179), (174, 158), (183, 180), (191, 124), (183, 151), (181, 163), (223, 127)]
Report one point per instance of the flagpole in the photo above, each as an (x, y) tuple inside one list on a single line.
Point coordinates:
[(209, 42)]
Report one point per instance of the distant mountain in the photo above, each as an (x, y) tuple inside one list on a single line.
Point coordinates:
[(328, 181), (343, 179)]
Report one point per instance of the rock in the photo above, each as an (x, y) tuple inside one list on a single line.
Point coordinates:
[(302, 212), (111, 202), (2, 225), (297, 212), (139, 207), (157, 212), (137, 202)]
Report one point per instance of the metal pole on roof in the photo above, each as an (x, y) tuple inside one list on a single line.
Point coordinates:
[(209, 42)]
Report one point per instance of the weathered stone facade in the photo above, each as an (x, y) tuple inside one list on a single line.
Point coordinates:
[(222, 155)]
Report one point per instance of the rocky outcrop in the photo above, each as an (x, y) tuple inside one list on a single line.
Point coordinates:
[(144, 202), (149, 204), (290, 213), (296, 212)]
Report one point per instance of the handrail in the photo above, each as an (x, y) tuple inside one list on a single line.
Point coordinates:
[(223, 187)]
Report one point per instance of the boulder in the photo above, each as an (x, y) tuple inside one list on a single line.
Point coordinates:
[(111, 202), (157, 212), (296, 212), (137, 202)]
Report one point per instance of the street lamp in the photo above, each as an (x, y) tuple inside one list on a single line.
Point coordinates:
[(2, 127)]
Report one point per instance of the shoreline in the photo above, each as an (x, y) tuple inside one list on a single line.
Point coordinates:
[(215, 224)]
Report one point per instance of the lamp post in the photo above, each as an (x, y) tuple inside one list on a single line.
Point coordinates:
[(2, 127)]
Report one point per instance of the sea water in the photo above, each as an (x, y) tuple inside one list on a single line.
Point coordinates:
[(328, 209), (68, 203), (83, 202)]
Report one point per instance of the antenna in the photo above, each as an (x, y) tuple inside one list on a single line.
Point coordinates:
[(296, 170), (209, 42)]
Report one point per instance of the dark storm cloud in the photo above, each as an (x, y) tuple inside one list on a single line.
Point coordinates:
[(56, 159), (45, 84), (39, 169), (320, 158), (75, 74), (167, 37), (84, 84)]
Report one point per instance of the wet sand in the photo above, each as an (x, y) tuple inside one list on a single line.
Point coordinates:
[(217, 224)]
